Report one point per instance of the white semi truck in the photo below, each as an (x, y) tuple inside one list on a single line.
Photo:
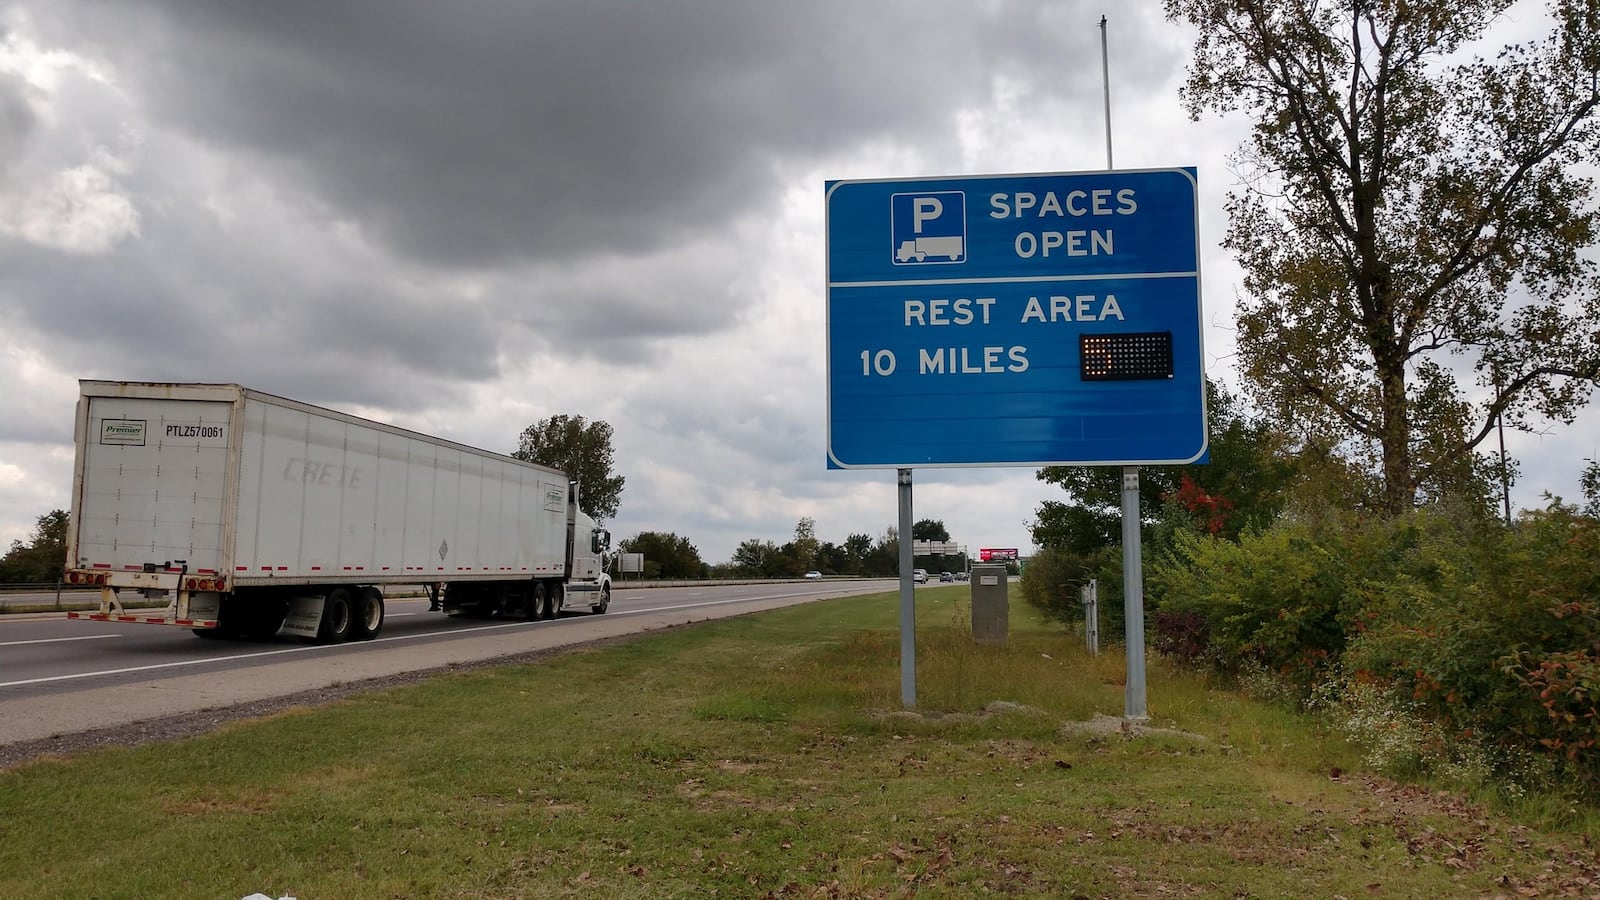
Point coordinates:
[(253, 514)]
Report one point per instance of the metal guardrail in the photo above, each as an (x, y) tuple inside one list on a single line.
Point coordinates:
[(41, 587)]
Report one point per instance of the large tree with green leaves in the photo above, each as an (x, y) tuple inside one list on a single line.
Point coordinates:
[(1412, 221), (582, 449), (805, 543), (43, 557), (757, 558)]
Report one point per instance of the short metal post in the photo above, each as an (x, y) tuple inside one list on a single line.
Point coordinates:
[(1091, 615)]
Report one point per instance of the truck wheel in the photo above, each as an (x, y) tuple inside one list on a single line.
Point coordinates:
[(547, 608), (600, 608), (367, 618), (338, 619), (538, 602)]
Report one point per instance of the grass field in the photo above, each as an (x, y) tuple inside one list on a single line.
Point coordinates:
[(769, 756)]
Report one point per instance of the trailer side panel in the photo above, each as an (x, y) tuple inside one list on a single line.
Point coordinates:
[(331, 498)]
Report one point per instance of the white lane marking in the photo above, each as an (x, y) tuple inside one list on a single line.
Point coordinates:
[(403, 637), (89, 637), (402, 615)]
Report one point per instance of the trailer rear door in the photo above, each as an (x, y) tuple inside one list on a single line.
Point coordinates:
[(154, 484)]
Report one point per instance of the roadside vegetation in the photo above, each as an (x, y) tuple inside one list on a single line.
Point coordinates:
[(1414, 213), (770, 756), (42, 557)]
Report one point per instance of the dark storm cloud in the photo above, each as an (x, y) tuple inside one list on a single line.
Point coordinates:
[(476, 133), (129, 314)]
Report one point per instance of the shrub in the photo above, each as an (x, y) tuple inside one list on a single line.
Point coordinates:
[(1052, 578), (1276, 599)]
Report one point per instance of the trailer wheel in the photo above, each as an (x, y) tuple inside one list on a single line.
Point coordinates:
[(337, 618), (367, 619), (547, 606), (600, 608)]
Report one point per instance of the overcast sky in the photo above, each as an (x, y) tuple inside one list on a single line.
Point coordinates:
[(464, 217)]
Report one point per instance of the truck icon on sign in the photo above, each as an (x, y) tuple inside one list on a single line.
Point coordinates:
[(951, 248)]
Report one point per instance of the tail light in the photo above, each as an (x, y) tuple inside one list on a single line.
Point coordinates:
[(88, 578), (206, 584)]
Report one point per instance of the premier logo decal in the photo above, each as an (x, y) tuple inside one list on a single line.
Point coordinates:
[(126, 432)]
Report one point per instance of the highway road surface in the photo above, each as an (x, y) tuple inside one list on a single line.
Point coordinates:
[(60, 676)]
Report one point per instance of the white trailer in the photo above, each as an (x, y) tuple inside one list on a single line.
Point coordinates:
[(252, 514)]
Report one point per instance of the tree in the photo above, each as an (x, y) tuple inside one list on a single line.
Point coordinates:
[(1408, 222), (582, 449), (805, 543), (884, 560), (43, 558), (857, 548), (757, 558), (665, 555), (833, 559)]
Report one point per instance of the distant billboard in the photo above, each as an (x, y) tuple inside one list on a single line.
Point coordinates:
[(997, 554)]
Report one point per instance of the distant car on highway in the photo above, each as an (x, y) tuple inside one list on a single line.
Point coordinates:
[(963, 576), (813, 576), (946, 576), (919, 576)]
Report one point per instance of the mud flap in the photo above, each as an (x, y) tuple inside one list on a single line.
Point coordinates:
[(305, 617)]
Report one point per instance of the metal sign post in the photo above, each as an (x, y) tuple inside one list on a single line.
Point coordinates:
[(1133, 596), (908, 603)]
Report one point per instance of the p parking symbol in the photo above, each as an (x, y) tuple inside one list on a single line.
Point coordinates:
[(928, 228)]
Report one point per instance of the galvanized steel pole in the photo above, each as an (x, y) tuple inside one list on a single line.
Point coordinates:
[(1133, 596), (908, 607)]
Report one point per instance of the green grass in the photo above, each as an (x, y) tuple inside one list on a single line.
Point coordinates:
[(765, 756)]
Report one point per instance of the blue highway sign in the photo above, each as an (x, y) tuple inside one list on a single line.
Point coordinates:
[(1015, 320)]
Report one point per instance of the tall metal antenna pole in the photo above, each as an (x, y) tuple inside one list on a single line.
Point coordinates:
[(1105, 81)]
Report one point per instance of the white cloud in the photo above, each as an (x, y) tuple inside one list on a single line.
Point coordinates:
[(76, 210)]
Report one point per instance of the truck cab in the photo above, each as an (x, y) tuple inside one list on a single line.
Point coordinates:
[(588, 559)]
